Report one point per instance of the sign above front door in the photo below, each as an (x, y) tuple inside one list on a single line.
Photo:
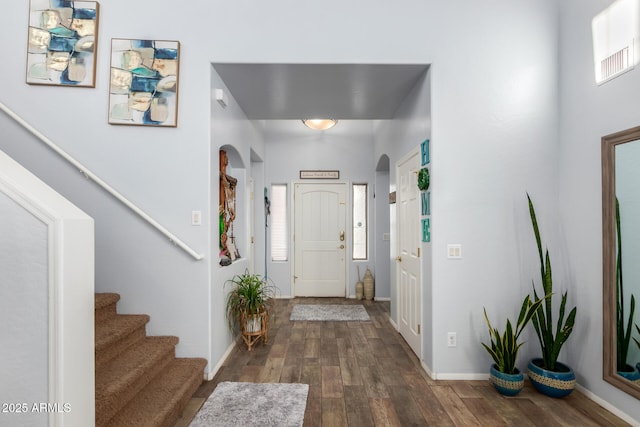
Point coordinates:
[(319, 174)]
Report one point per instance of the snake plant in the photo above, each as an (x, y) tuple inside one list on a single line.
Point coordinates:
[(504, 346), (550, 342)]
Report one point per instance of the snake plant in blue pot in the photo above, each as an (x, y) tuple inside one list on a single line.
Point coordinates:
[(549, 376), (504, 347)]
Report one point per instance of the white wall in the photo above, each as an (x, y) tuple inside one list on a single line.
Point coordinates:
[(23, 311), (381, 239), (588, 112), (46, 303), (494, 137), (395, 138), (164, 171), (492, 123), (231, 131)]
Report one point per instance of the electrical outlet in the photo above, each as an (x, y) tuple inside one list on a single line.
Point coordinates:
[(451, 339)]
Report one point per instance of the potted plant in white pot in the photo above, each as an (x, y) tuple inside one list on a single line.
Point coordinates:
[(249, 305), (504, 347), (549, 376)]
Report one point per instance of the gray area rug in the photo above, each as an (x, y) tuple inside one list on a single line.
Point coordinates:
[(253, 404), (322, 312)]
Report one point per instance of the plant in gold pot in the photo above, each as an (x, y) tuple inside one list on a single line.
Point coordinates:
[(549, 376), (249, 304)]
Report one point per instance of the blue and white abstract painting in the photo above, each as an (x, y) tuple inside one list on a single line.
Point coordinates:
[(62, 42), (143, 88)]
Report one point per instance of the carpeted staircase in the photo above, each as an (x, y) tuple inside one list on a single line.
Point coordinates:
[(139, 381)]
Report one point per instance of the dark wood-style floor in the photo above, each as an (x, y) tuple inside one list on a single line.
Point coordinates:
[(364, 374)]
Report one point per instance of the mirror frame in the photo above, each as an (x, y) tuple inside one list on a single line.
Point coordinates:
[(609, 143)]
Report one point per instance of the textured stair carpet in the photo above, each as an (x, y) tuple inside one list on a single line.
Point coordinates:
[(235, 404), (329, 312), (139, 381)]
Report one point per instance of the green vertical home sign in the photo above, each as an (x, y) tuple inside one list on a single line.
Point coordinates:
[(425, 195)]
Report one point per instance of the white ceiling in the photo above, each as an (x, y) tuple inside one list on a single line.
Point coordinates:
[(340, 91)]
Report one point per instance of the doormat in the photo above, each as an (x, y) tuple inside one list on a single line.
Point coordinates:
[(234, 404), (321, 312)]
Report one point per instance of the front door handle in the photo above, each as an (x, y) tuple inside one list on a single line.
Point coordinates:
[(341, 246), (342, 236), (399, 258)]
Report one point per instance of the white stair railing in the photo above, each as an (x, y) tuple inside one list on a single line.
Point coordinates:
[(86, 172)]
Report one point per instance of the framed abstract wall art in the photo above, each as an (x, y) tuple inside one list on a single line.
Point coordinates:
[(62, 42), (143, 87)]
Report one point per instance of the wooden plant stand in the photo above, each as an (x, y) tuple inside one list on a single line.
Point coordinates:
[(251, 336)]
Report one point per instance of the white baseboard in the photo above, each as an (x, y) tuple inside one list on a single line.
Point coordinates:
[(208, 376), (395, 326), (426, 369), (606, 405), (382, 299), (459, 377), (455, 377)]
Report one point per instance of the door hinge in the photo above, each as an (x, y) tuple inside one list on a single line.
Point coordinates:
[(252, 240), (418, 328), (418, 252)]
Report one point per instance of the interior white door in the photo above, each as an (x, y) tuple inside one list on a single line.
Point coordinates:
[(408, 260), (319, 240)]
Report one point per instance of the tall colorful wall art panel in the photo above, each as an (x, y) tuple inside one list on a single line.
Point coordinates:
[(62, 42), (143, 88)]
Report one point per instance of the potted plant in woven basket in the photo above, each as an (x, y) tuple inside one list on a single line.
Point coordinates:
[(504, 347), (549, 376), (249, 305)]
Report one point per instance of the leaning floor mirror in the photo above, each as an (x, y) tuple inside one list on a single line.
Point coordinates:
[(621, 256)]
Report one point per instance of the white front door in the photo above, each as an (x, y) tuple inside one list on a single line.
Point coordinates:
[(319, 240), (408, 260)]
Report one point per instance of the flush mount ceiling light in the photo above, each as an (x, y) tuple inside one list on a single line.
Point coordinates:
[(319, 124)]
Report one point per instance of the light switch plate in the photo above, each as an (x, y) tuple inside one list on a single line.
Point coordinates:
[(454, 251), (196, 218)]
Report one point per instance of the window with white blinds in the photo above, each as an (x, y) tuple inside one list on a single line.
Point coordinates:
[(279, 238)]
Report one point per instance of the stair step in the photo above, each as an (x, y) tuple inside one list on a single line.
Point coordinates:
[(116, 335), (105, 306), (160, 403), (118, 381)]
